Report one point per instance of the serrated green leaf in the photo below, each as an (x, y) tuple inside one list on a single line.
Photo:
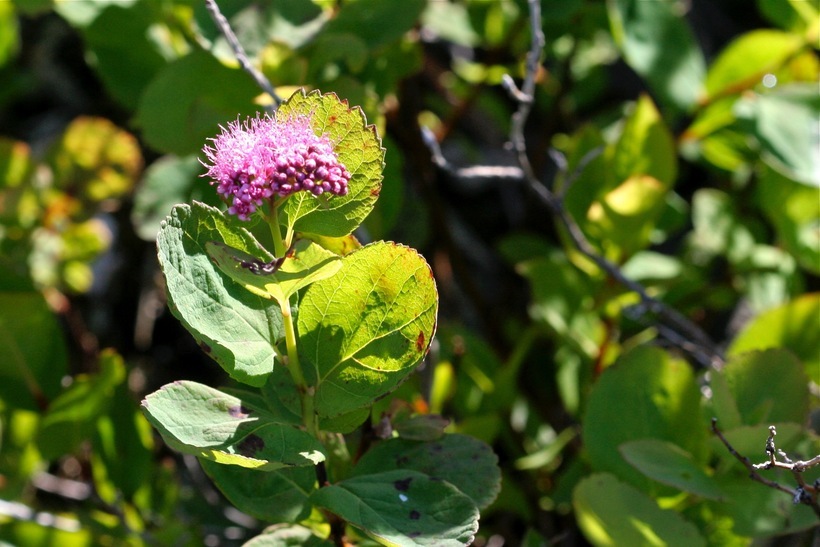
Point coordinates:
[(200, 420), (610, 512), (645, 394), (239, 330), (403, 508), (465, 462), (359, 150), (668, 463), (761, 400), (363, 330), (273, 496), (304, 264)]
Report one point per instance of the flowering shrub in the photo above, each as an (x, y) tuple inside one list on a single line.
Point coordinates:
[(365, 320)]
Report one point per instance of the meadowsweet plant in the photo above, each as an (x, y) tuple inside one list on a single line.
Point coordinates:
[(314, 328)]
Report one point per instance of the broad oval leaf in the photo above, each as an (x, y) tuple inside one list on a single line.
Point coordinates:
[(668, 463), (304, 264), (236, 328), (645, 394), (465, 462), (273, 496), (610, 512), (359, 150), (403, 507), (363, 330), (200, 420)]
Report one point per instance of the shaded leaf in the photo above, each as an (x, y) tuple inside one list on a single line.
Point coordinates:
[(273, 496), (35, 356), (235, 327), (287, 535), (668, 463), (659, 45), (645, 394), (403, 507), (363, 330), (181, 107), (467, 463)]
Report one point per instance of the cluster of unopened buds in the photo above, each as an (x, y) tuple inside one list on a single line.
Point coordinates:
[(267, 158)]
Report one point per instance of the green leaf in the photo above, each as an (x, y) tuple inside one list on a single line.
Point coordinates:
[(761, 400), (182, 107), (659, 45), (668, 463), (287, 535), (610, 512), (421, 427), (126, 60), (794, 15), (166, 182), (273, 496), (200, 420), (784, 123), (359, 150), (403, 508), (465, 462), (35, 357), (376, 22), (363, 330), (750, 441), (122, 449), (72, 417), (236, 328), (306, 263), (794, 210), (646, 146), (645, 394), (743, 63), (9, 32), (795, 326)]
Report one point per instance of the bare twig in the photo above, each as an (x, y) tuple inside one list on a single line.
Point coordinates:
[(225, 28), (804, 493), (681, 332)]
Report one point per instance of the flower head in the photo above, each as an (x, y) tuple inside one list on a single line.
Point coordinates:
[(265, 158)]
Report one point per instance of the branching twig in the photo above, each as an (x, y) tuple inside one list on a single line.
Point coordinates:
[(804, 493), (686, 335), (225, 28)]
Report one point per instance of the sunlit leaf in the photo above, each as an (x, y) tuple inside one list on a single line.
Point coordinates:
[(363, 330), (359, 150), (200, 420), (613, 513)]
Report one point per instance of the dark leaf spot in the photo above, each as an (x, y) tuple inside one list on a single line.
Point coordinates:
[(251, 445), (413, 534), (401, 461), (420, 341), (403, 485), (415, 515), (205, 347), (239, 412)]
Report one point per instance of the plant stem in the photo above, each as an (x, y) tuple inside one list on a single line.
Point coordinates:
[(293, 365)]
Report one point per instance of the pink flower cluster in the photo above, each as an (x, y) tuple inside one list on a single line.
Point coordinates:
[(265, 158)]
